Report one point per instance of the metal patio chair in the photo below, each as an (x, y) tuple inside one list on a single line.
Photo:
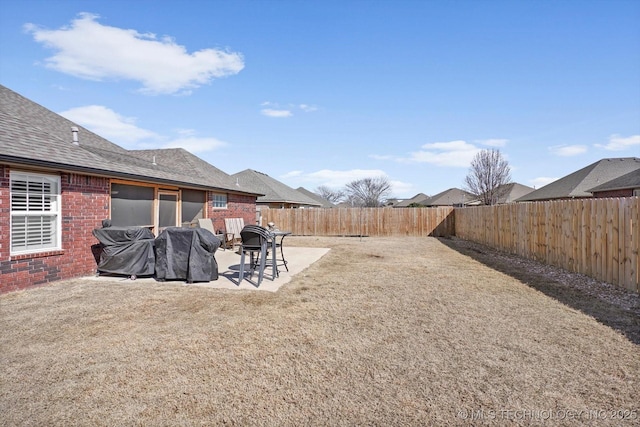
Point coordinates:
[(256, 242)]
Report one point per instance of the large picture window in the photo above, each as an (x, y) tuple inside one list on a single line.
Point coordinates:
[(131, 205), (167, 209), (154, 206), (192, 205), (35, 212)]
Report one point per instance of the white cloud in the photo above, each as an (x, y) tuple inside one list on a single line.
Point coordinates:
[(402, 189), (381, 156), (123, 131), (89, 50), (273, 109), (541, 181), (493, 142), (619, 143), (195, 144), (568, 150), (185, 132), (453, 153), (338, 179), (269, 112), (108, 124), (291, 174)]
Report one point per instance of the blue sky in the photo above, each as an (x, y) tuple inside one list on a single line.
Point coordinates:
[(325, 92)]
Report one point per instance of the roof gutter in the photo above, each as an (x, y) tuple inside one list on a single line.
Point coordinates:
[(21, 161)]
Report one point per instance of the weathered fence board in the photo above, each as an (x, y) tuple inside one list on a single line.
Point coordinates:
[(595, 237), (363, 221)]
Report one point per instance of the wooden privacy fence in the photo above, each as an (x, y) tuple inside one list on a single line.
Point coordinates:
[(362, 221), (595, 237)]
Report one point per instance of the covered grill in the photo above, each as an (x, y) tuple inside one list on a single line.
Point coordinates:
[(186, 254), (125, 250)]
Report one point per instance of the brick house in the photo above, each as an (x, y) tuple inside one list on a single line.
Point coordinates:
[(58, 181), (276, 195), (625, 186), (580, 183)]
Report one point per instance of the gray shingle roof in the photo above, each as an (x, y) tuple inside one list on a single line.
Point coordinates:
[(181, 160), (514, 191), (450, 197), (274, 191), (318, 198), (32, 135), (579, 182), (508, 193), (627, 181), (418, 198)]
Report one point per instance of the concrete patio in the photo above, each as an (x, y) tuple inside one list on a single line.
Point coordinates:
[(298, 259)]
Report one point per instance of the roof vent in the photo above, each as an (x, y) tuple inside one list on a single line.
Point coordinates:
[(74, 135), (154, 161)]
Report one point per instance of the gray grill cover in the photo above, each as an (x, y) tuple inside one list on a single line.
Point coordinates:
[(186, 254), (126, 250)]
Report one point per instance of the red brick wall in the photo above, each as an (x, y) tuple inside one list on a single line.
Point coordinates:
[(5, 211), (238, 206), (613, 193), (85, 203)]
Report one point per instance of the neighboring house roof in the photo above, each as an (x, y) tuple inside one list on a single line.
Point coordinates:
[(392, 202), (578, 184), (415, 199), (625, 182), (512, 192), (274, 191), (450, 197), (318, 198), (32, 135)]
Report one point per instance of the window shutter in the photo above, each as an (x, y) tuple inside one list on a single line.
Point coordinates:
[(34, 212)]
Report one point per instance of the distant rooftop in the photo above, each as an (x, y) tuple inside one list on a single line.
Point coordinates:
[(578, 184)]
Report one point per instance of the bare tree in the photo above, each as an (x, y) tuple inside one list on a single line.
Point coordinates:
[(368, 192), (334, 196), (488, 176)]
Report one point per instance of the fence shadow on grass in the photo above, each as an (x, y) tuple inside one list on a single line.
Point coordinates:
[(626, 321)]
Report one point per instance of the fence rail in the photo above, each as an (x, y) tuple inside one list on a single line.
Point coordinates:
[(595, 237)]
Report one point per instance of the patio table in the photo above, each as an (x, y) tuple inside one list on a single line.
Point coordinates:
[(275, 245)]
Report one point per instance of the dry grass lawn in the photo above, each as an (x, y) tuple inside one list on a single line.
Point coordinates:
[(380, 331)]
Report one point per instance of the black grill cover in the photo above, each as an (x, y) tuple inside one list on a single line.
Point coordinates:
[(126, 250), (186, 254)]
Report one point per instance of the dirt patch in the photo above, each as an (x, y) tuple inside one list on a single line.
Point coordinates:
[(380, 331), (614, 306)]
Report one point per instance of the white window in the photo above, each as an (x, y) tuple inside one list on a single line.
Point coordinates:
[(220, 201), (35, 212)]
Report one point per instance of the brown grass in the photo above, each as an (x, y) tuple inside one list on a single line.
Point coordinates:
[(380, 331)]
